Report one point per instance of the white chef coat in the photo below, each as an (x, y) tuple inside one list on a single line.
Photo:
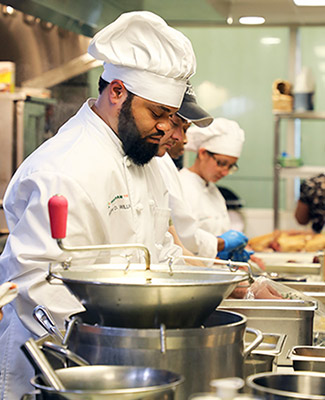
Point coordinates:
[(207, 203), (111, 200), (198, 241)]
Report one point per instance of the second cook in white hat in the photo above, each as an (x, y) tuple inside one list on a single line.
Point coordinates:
[(218, 147), (223, 136)]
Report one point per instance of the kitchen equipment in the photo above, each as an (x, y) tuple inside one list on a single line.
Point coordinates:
[(287, 386), (145, 299), (272, 343), (99, 382), (264, 357), (285, 263), (293, 318), (215, 350), (92, 382), (138, 296), (258, 362), (39, 361), (308, 358)]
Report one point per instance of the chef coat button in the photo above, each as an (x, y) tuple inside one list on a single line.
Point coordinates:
[(151, 202), (127, 162), (139, 207), (159, 246)]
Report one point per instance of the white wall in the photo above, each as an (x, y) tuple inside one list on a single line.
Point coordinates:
[(259, 221)]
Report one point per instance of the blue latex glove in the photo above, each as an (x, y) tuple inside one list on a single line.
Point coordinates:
[(241, 255), (236, 255), (234, 240), (224, 255)]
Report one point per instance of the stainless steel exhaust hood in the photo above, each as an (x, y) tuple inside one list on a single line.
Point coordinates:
[(82, 16), (44, 54)]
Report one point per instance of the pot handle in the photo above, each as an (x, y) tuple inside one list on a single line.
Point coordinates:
[(38, 359), (30, 395), (233, 266), (42, 315), (257, 341), (63, 353)]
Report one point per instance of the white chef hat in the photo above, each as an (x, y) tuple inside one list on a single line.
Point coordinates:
[(223, 136), (153, 60)]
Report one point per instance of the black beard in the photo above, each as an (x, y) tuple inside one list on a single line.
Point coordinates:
[(134, 146)]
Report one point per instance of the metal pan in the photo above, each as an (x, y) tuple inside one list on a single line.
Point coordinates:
[(142, 298), (98, 382), (308, 358)]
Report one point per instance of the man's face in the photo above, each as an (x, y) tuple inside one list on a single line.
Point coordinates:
[(174, 136), (141, 125), (178, 149)]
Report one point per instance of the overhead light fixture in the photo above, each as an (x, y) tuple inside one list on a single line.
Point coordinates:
[(252, 20), (230, 20), (270, 40), (309, 2), (8, 10)]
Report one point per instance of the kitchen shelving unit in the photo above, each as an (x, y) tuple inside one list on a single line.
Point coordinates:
[(279, 171)]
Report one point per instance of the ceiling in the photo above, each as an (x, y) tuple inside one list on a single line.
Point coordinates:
[(89, 16)]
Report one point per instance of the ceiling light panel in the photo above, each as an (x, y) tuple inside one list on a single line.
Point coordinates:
[(251, 20), (307, 3)]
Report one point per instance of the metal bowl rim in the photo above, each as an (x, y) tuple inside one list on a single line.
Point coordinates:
[(293, 395), (154, 331), (239, 278), (157, 388)]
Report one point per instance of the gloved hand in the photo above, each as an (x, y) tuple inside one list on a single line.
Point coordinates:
[(236, 255), (234, 240), (241, 255)]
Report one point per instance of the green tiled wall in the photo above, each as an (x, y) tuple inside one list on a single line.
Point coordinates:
[(234, 80)]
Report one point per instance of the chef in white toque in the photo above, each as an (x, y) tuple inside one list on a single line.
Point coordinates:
[(218, 148), (102, 161)]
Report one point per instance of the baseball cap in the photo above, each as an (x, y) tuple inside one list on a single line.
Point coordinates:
[(191, 111)]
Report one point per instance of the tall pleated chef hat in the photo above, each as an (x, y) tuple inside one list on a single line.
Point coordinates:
[(223, 136), (153, 60)]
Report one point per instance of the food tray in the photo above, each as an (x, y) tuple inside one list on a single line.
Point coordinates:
[(291, 263), (308, 358), (293, 318)]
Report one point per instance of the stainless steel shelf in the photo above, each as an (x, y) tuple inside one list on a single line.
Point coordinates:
[(305, 171), (300, 115)]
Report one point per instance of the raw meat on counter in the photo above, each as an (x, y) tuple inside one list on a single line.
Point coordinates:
[(288, 241)]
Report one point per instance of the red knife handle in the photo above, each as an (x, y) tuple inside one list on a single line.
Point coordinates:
[(58, 212)]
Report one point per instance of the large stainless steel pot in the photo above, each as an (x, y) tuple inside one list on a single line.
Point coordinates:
[(98, 382), (199, 354), (288, 386)]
